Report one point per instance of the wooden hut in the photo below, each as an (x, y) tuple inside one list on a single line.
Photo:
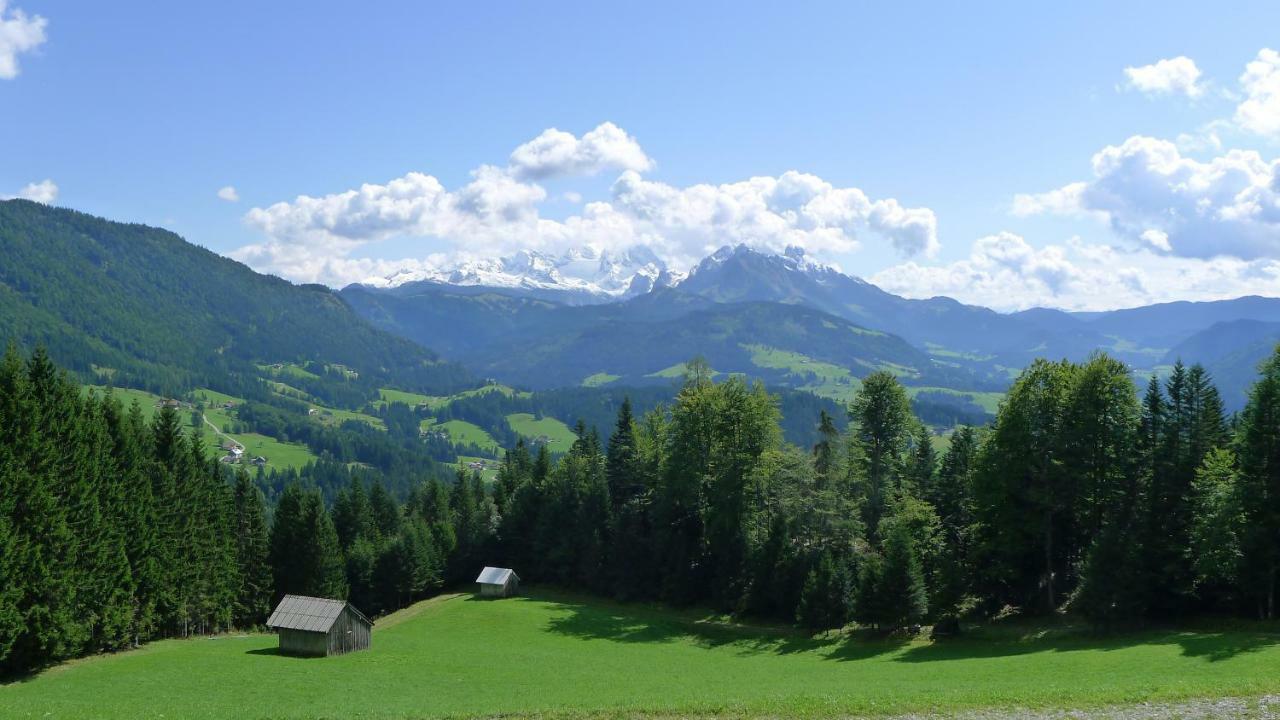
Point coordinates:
[(319, 627), (498, 582)]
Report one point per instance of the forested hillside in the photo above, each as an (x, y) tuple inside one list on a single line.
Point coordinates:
[(140, 307)]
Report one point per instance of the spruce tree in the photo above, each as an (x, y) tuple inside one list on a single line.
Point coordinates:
[(253, 597)]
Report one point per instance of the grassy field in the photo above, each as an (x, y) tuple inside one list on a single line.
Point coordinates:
[(146, 401), (989, 401), (434, 402), (462, 432), (288, 370), (490, 472), (559, 434), (820, 378), (599, 379), (677, 372), (563, 655)]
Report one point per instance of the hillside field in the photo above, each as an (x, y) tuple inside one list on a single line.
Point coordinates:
[(562, 654), (557, 433)]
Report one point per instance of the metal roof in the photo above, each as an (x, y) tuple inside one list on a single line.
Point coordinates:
[(496, 576), (299, 612)]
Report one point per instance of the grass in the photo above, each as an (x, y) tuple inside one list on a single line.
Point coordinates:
[(988, 401), (435, 402), (213, 397), (462, 432), (389, 395), (557, 433), (677, 372), (278, 454), (288, 370), (599, 379), (490, 472), (126, 397), (820, 378), (562, 654), (334, 416)]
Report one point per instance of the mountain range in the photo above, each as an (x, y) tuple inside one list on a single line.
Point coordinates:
[(141, 306), (539, 331)]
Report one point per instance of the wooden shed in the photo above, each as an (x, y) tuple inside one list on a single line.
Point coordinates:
[(318, 626), (498, 582)]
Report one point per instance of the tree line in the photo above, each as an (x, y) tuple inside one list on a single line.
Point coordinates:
[(1082, 496)]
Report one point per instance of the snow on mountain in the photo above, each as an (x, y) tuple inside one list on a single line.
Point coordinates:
[(587, 272)]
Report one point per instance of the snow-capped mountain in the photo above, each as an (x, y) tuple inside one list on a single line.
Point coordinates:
[(579, 276)]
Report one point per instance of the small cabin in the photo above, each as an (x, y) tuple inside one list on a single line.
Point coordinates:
[(498, 582), (318, 627)]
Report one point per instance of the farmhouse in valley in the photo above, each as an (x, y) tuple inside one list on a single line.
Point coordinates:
[(498, 582), (320, 626)]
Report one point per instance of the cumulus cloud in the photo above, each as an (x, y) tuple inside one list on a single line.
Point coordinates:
[(45, 191), (19, 33), (229, 193), (1153, 195), (1259, 111), (1006, 272), (556, 153), (1171, 76), (497, 212)]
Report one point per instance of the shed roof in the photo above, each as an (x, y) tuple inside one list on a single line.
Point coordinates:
[(299, 612), (496, 576)]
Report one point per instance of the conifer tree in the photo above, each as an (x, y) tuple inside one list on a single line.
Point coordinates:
[(253, 597)]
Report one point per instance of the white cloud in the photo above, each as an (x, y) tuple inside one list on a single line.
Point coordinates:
[(1228, 205), (1171, 76), (556, 153), (45, 191), (229, 193), (1259, 112), (19, 33), (313, 238), (1006, 273)]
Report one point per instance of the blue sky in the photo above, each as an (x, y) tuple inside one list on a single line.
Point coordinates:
[(914, 128)]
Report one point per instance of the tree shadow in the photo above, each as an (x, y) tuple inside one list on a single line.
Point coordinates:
[(866, 644), (277, 652), (1215, 647), (593, 619)]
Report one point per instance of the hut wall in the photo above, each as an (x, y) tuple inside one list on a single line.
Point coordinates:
[(348, 634), (300, 642)]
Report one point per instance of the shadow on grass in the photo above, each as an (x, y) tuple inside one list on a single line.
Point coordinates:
[(276, 652), (606, 620)]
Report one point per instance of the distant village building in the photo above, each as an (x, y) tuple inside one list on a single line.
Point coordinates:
[(259, 461), (498, 582), (319, 626)]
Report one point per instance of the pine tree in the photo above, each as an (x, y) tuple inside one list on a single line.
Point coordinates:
[(882, 421), (824, 599), (1259, 456), (903, 597), (253, 597)]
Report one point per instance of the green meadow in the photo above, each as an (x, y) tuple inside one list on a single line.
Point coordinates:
[(562, 654), (527, 426)]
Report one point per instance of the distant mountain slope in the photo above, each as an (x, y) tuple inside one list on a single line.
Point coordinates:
[(940, 323), (1169, 324), (539, 344), (1231, 352), (147, 308)]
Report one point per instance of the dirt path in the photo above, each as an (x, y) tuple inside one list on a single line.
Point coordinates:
[(219, 433), (1263, 708)]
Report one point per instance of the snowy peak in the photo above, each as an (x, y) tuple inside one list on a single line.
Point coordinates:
[(586, 274)]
